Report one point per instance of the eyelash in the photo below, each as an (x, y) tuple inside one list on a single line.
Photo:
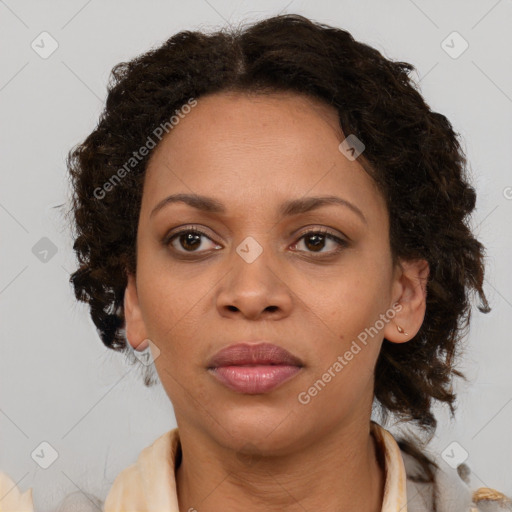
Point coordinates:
[(327, 234)]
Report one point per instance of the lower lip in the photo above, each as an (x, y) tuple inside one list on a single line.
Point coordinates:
[(254, 380)]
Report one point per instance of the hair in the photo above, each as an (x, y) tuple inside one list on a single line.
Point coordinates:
[(411, 152)]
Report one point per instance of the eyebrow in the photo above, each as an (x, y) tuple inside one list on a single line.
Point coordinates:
[(287, 209)]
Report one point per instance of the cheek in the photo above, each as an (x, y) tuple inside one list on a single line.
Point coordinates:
[(346, 300), (171, 296), (345, 314), (167, 317)]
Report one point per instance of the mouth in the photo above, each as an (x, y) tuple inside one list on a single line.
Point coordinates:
[(254, 368)]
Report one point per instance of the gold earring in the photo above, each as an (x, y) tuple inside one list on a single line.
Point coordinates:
[(400, 330)]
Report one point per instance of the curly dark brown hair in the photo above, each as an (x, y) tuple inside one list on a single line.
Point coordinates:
[(411, 152)]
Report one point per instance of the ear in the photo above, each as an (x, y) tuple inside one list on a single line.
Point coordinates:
[(134, 324), (410, 291)]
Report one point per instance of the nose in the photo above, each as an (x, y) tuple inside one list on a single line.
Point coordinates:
[(255, 290)]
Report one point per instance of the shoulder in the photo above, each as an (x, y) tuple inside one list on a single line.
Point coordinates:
[(11, 496), (125, 489), (150, 473), (14, 499), (450, 490), (491, 500)]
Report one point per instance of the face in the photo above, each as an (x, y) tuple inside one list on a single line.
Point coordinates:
[(311, 280)]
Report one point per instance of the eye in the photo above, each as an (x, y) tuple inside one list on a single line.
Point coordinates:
[(189, 240), (316, 240)]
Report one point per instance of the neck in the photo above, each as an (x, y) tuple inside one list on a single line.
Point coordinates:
[(338, 470)]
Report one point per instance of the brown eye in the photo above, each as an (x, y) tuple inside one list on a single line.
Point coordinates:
[(315, 241), (189, 240)]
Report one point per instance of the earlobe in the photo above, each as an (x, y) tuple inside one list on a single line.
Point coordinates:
[(411, 283), (134, 323)]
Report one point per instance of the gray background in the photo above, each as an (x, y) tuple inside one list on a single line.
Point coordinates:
[(58, 383)]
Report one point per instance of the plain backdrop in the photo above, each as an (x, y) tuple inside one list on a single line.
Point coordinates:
[(59, 384)]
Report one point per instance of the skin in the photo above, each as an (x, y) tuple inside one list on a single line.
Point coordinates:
[(268, 451)]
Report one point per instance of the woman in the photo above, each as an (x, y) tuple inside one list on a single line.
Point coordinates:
[(276, 216)]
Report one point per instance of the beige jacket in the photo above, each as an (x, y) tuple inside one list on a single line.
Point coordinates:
[(149, 485)]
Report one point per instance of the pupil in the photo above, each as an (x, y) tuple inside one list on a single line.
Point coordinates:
[(191, 239), (318, 243)]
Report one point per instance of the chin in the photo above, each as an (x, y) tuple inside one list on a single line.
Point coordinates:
[(270, 429)]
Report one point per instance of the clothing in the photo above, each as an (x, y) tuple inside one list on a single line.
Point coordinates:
[(11, 498), (149, 485)]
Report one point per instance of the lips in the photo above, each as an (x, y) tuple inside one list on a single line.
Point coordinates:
[(253, 354), (254, 368)]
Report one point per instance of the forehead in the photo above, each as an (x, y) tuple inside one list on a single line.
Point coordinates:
[(253, 148), (278, 120)]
